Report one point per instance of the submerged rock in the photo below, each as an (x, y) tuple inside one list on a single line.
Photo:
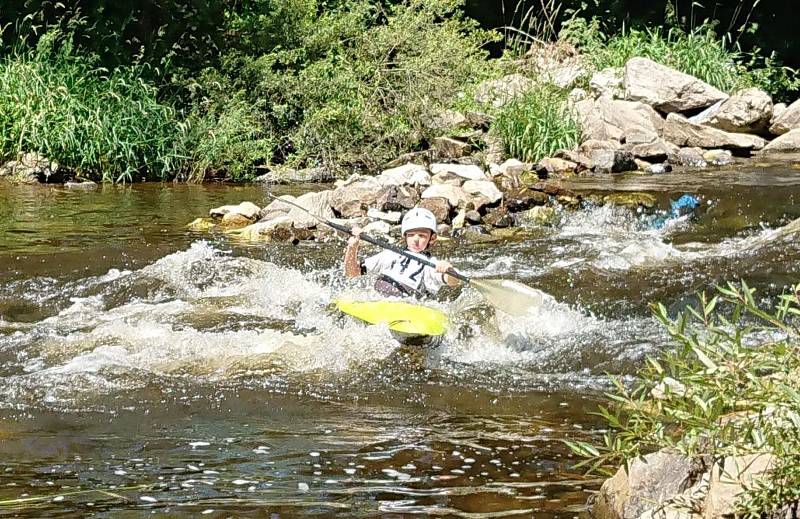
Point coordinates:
[(631, 199)]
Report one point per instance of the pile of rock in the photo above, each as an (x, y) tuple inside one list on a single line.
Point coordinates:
[(650, 117), (461, 196)]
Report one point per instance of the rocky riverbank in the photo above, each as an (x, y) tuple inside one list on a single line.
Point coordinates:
[(646, 118)]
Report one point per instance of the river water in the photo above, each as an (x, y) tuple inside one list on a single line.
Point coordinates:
[(146, 368)]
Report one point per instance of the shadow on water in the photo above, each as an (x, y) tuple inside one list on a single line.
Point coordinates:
[(147, 368)]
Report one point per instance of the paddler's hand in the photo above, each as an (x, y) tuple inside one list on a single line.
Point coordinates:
[(443, 266), (355, 236)]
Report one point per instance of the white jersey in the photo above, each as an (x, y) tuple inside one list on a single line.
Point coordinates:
[(414, 277)]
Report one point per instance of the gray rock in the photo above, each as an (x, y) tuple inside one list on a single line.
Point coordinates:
[(608, 119), (747, 111), (397, 198), (468, 172), (447, 120), (788, 120), (719, 157), (613, 161), (557, 166), (648, 146), (485, 188), (390, 217), (450, 148), (31, 168), (682, 132), (691, 157), (296, 176), (86, 185), (654, 479), (408, 174), (247, 209), (355, 196), (730, 479), (658, 169), (455, 195), (440, 207), (665, 88), (788, 142)]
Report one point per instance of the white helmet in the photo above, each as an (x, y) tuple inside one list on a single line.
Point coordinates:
[(418, 218)]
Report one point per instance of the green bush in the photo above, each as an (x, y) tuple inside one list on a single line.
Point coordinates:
[(104, 125), (738, 372), (353, 87), (537, 124)]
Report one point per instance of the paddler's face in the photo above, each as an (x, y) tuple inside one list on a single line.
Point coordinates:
[(418, 240)]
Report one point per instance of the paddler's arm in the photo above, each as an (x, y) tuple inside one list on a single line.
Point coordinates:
[(442, 267), (352, 268)]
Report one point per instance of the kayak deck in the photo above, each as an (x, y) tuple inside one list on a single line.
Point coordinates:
[(399, 316)]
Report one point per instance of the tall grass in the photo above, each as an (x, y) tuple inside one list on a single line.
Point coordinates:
[(101, 124), (728, 388), (537, 124)]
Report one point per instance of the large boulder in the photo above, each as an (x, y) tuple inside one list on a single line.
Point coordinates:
[(746, 111), (648, 481), (607, 119), (788, 120), (499, 92), (356, 195), (788, 142), (666, 89), (682, 132), (316, 203), (407, 174)]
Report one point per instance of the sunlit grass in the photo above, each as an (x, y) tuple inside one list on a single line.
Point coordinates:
[(100, 124), (537, 124)]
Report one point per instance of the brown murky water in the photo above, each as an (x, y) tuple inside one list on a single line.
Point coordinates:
[(145, 368)]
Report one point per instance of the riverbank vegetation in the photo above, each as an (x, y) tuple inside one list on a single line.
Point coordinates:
[(176, 91), (728, 389)]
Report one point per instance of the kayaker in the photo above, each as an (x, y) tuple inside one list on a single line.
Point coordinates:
[(399, 275)]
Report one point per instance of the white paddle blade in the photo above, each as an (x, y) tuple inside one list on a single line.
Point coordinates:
[(511, 297)]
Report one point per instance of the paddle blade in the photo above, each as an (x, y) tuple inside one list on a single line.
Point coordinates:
[(511, 297)]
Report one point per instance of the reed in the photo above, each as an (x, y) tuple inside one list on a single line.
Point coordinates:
[(101, 124), (537, 124)]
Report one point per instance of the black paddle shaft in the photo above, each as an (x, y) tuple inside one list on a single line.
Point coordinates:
[(371, 239)]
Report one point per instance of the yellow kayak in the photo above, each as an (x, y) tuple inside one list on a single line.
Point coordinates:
[(400, 316)]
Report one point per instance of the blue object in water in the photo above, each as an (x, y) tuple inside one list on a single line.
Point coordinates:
[(684, 205)]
